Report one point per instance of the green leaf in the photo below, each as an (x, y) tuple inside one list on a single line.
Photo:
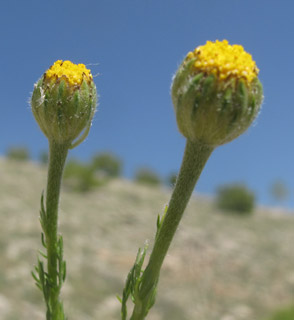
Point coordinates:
[(42, 254), (43, 240)]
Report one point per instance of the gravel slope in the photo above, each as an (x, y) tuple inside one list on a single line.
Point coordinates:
[(220, 267)]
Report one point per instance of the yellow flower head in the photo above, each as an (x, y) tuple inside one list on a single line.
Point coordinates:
[(64, 101), (216, 93), (223, 60), (73, 74)]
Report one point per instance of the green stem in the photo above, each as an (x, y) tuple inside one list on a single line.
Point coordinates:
[(57, 157), (195, 158)]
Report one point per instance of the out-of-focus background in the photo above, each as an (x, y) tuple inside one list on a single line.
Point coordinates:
[(232, 257), (134, 48)]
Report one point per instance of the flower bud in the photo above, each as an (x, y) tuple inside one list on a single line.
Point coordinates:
[(64, 102), (216, 93)]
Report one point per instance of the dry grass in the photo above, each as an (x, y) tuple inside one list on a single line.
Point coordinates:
[(221, 267)]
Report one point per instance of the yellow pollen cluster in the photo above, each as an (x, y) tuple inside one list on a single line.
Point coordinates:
[(73, 74), (224, 60)]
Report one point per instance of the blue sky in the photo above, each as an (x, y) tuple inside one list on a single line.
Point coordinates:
[(135, 46)]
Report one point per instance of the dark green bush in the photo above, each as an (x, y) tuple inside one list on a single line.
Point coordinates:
[(107, 165), (79, 176), (18, 153), (44, 157), (171, 180), (283, 314), (279, 191), (147, 176), (235, 198)]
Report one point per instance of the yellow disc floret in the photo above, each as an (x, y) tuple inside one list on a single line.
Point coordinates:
[(73, 74), (224, 61)]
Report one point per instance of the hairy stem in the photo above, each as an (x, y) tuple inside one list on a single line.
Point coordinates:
[(195, 158), (57, 157)]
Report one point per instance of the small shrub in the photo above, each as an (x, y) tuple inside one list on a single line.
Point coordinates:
[(235, 198), (18, 153), (147, 176), (44, 157), (279, 191), (284, 314), (79, 176), (171, 180), (107, 165)]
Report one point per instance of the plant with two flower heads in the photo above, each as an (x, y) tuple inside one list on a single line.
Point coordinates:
[(63, 103), (216, 95)]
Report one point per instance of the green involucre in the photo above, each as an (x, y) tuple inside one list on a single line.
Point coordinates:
[(213, 111), (63, 111)]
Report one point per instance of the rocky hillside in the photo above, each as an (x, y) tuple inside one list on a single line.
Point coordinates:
[(220, 267)]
